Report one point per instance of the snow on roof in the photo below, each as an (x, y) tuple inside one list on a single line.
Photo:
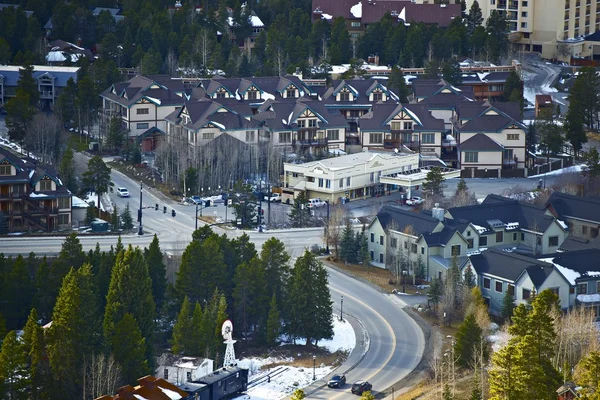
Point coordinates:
[(157, 101), (356, 10), (569, 274), (413, 116), (588, 298), (290, 118), (326, 16), (36, 195), (480, 229), (237, 95), (256, 22), (267, 96), (217, 124), (512, 225), (170, 393), (77, 202), (562, 223), (139, 397)]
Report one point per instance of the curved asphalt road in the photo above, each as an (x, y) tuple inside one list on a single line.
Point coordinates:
[(396, 341)]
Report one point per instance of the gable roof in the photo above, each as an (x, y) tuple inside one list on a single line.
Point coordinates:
[(400, 219), (510, 266), (567, 205), (572, 243), (480, 142), (382, 113), (579, 265)]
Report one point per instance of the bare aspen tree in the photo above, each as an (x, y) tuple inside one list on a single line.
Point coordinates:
[(204, 47), (102, 375), (280, 61), (576, 336), (45, 137), (172, 63), (324, 50)]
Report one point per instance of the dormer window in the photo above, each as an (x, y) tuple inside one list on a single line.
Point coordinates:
[(5, 170), (290, 92), (252, 95), (377, 96), (344, 96), (221, 95), (45, 184)]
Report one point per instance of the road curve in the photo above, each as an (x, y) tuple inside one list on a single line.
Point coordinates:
[(396, 341)]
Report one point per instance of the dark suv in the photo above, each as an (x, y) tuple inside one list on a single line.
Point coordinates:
[(359, 387)]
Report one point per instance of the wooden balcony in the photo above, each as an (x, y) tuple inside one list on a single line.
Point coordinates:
[(398, 143)]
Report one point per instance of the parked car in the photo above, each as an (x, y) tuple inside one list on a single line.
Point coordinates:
[(359, 387), (315, 203), (195, 200), (272, 198), (337, 381), (413, 201), (122, 192)]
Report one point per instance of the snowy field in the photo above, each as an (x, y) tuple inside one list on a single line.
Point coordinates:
[(283, 384)]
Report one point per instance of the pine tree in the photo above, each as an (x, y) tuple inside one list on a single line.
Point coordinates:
[(469, 278), (129, 349), (273, 323), (198, 340), (587, 372), (461, 187), (508, 306), (90, 214), (182, 330), (18, 292), (71, 252), (13, 368), (127, 218), (97, 177), (67, 170), (451, 72), (157, 270), (249, 294), (130, 291), (398, 83), (476, 393), (310, 311), (348, 245), (474, 18), (300, 216), (275, 261), (434, 183), (503, 375), (435, 292), (469, 335), (74, 330), (114, 218), (363, 248)]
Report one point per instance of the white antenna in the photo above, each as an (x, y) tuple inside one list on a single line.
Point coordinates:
[(227, 332)]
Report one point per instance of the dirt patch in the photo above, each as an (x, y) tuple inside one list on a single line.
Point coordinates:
[(381, 278), (302, 355)]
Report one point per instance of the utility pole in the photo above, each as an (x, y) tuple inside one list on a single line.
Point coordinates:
[(342, 309), (327, 231), (140, 228), (260, 205)]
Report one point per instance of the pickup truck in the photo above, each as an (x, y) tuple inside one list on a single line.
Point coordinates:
[(413, 201)]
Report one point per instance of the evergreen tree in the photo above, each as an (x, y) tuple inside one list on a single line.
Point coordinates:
[(593, 162), (17, 294), (584, 97), (19, 114), (249, 296), (340, 51), (451, 72), (434, 294), (273, 323), (310, 311), (434, 183), (97, 177), (183, 330), (474, 18), (503, 375), (129, 349), (275, 261), (587, 373), (127, 218), (348, 244), (476, 393), (397, 82), (363, 248), (298, 395), (508, 306), (300, 216), (468, 337), (74, 331), (432, 69), (513, 82), (469, 278), (130, 291), (114, 218), (13, 368), (90, 214), (497, 29), (2, 327), (157, 270), (66, 169), (115, 135), (461, 187), (198, 340)]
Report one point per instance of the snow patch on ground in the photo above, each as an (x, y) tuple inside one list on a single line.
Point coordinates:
[(343, 337), (499, 339), (567, 170)]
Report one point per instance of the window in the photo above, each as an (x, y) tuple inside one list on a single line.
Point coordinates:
[(582, 288), (584, 230), (553, 241), (63, 219), (312, 123), (143, 111), (372, 177), (208, 135), (524, 3), (348, 181), (511, 290), (512, 136), (422, 250), (499, 237), (301, 123), (221, 95), (555, 290), (522, 236), (285, 137), (344, 96), (507, 154), (593, 232), (166, 374), (311, 179), (290, 92), (381, 240), (405, 245), (189, 376), (333, 134), (252, 95), (524, 14), (395, 125), (376, 138), (46, 184), (515, 237), (469, 233), (372, 256), (428, 138), (523, 24), (250, 137), (471, 156), (321, 182), (393, 243), (597, 286), (381, 258), (342, 183), (526, 294), (413, 248), (5, 170), (469, 243), (455, 251), (487, 283), (143, 125), (408, 125), (499, 287), (64, 202), (377, 96), (355, 24), (483, 241), (328, 183), (372, 238)]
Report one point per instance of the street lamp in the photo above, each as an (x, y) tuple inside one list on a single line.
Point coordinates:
[(404, 273), (342, 309), (314, 367), (327, 229), (453, 362), (140, 228)]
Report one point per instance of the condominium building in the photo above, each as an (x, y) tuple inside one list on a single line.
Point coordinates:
[(554, 28)]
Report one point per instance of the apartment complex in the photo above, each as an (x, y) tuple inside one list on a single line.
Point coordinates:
[(554, 28), (32, 196)]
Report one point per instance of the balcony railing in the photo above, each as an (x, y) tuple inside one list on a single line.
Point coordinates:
[(449, 143), (310, 142), (509, 162), (397, 143)]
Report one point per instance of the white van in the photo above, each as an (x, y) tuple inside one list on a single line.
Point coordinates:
[(315, 203)]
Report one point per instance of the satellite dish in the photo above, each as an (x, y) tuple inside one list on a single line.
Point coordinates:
[(396, 150), (227, 330)]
